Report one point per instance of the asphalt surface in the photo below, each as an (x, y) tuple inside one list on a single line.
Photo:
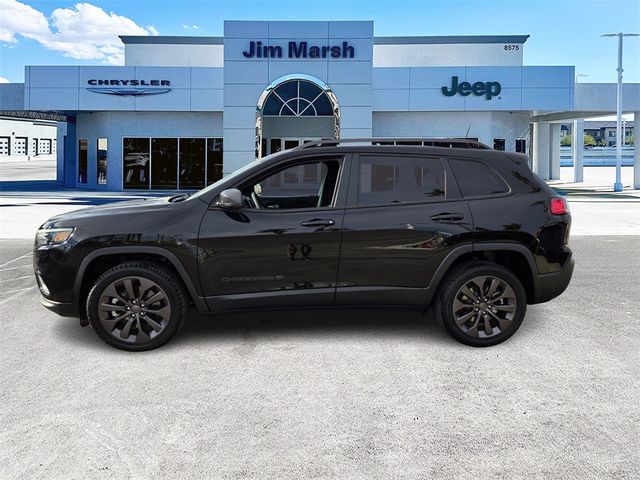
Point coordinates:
[(329, 394)]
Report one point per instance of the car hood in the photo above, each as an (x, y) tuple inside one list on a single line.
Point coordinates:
[(110, 209)]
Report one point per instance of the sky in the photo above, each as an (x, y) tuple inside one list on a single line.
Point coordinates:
[(563, 32)]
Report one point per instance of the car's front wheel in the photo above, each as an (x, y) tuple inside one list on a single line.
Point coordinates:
[(137, 306), (481, 304)]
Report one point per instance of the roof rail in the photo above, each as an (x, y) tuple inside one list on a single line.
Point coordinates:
[(427, 142)]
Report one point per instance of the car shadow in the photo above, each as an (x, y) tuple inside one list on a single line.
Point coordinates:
[(313, 323), (219, 329)]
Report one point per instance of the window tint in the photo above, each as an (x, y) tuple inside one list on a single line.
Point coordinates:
[(400, 179), (308, 185), (476, 179)]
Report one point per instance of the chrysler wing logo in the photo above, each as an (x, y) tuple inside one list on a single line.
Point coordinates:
[(129, 92), (129, 88)]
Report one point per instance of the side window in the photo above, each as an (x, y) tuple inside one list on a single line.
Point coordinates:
[(476, 179), (400, 179), (304, 185)]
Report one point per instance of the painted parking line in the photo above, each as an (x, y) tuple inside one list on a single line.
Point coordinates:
[(19, 290), (16, 268), (13, 279), (13, 294), (16, 259)]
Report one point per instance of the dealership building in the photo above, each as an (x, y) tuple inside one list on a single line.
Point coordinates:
[(183, 111)]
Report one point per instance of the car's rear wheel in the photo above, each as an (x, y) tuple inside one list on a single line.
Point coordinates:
[(481, 304), (137, 306)]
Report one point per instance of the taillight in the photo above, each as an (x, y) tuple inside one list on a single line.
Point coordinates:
[(559, 206)]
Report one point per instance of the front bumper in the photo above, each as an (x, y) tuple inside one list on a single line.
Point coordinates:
[(61, 308), (550, 285)]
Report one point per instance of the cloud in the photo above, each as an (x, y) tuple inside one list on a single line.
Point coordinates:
[(4, 80), (190, 27), (84, 32)]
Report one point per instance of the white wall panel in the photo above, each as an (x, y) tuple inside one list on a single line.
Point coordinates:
[(207, 78), (353, 95), (432, 99), (53, 98), (288, 30), (206, 100), (246, 72), (391, 100), (436, 77), (392, 78), (357, 29), (352, 72), (315, 69)]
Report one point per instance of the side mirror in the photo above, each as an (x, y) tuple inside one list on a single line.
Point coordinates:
[(230, 199)]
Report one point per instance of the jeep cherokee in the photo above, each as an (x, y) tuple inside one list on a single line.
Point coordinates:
[(367, 224)]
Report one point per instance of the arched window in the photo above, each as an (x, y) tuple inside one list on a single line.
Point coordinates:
[(297, 98)]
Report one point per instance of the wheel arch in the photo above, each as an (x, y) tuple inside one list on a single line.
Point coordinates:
[(96, 262), (513, 256)]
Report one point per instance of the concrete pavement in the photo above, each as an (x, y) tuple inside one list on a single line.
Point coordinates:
[(331, 394)]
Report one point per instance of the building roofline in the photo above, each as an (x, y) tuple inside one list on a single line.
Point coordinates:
[(171, 39), (450, 39), (422, 40)]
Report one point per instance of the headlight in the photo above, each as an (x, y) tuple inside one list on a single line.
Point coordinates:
[(53, 236)]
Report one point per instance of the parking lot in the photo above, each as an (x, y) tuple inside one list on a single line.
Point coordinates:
[(351, 394)]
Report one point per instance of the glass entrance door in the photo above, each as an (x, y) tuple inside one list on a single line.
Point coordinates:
[(274, 145)]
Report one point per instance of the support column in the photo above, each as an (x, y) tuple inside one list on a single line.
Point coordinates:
[(540, 160), (69, 155), (636, 151), (554, 152), (577, 149)]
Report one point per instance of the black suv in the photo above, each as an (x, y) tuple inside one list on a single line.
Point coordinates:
[(447, 223)]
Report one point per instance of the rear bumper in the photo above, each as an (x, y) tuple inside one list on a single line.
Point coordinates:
[(61, 308), (550, 285)]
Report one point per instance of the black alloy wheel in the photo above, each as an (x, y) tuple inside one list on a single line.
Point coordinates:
[(481, 304), (137, 306)]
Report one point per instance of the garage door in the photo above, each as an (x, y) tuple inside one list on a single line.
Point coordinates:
[(20, 146), (44, 146), (4, 145)]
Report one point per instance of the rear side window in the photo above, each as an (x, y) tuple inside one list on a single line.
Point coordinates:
[(476, 179), (399, 179)]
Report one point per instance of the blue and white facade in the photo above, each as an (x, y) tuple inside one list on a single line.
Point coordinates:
[(184, 110)]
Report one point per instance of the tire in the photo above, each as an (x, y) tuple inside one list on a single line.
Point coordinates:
[(481, 320), (137, 306)]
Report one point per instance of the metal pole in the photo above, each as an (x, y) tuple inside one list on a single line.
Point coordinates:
[(617, 187)]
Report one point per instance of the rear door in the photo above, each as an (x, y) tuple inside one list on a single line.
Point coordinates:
[(404, 215)]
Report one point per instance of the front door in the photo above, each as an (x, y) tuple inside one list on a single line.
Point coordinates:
[(281, 249), (402, 219)]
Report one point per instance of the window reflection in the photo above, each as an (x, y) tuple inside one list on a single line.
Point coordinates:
[(192, 151), (101, 159), (170, 163), (214, 160), (82, 160), (135, 155), (164, 163)]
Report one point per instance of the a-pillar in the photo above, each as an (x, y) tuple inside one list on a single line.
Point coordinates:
[(577, 149), (541, 149), (636, 151), (554, 151)]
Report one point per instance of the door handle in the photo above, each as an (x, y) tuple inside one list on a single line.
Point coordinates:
[(318, 222), (447, 217)]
